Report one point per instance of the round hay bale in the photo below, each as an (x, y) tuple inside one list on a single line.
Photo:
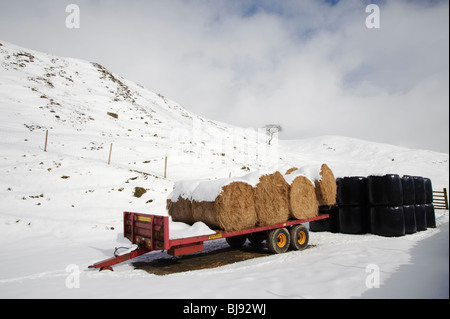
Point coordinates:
[(409, 212), (428, 191), (326, 187), (206, 212), (388, 221), (408, 190), (430, 215), (333, 211), (352, 190), (179, 204), (421, 217), (272, 199), (386, 190), (232, 210), (321, 225), (324, 182), (420, 190), (354, 219), (180, 210), (303, 202)]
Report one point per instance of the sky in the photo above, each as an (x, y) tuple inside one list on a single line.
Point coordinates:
[(312, 66)]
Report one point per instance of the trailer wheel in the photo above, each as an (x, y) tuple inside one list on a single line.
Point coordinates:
[(299, 237), (278, 240), (236, 241)]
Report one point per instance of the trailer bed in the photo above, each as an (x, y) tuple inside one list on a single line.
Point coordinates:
[(151, 232)]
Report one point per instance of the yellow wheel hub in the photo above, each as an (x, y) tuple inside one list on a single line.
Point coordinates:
[(301, 237), (281, 240)]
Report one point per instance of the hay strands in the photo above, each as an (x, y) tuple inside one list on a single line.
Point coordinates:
[(151, 232)]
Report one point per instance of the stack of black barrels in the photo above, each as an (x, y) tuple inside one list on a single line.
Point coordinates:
[(386, 205)]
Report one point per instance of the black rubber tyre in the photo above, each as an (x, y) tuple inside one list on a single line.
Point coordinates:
[(387, 221), (409, 212), (352, 191), (353, 219), (278, 240), (408, 190), (428, 191), (430, 216), (419, 190), (421, 217), (385, 190), (236, 241), (299, 237)]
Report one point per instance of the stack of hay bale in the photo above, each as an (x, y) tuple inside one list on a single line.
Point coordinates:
[(418, 205), (353, 210), (386, 205), (429, 206), (400, 205), (257, 199), (324, 190), (409, 201)]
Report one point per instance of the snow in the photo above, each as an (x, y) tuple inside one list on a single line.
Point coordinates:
[(62, 210), (208, 190), (183, 189), (311, 172), (181, 230)]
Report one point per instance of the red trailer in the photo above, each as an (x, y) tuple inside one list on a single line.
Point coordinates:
[(151, 232)]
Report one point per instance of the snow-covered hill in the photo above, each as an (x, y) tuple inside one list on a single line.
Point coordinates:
[(64, 206), (354, 157), (88, 112)]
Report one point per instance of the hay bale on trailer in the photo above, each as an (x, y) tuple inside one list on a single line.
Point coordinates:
[(223, 204), (271, 196), (180, 210), (179, 204), (232, 210), (326, 188), (257, 199), (303, 202), (324, 181)]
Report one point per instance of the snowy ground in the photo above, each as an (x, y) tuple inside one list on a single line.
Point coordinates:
[(61, 210), (414, 266)]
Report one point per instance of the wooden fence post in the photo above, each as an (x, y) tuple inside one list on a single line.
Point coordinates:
[(110, 151), (165, 168), (46, 139)]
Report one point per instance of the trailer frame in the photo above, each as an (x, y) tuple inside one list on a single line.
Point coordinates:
[(151, 233)]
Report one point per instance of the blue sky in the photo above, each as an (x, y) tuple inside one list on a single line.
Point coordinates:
[(312, 66)]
